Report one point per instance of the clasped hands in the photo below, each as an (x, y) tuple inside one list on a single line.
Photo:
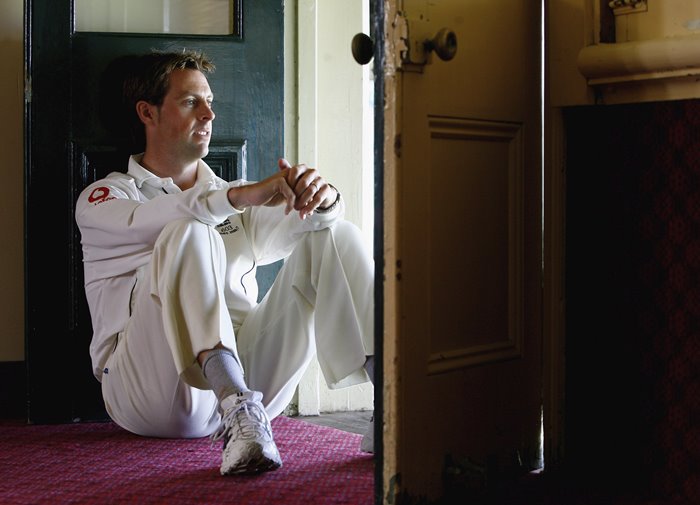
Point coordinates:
[(298, 187)]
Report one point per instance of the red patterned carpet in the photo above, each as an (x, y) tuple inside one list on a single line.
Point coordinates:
[(99, 463)]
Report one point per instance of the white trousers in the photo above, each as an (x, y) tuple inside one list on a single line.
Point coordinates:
[(320, 303)]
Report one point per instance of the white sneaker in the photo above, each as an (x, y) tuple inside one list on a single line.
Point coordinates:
[(367, 444), (247, 434)]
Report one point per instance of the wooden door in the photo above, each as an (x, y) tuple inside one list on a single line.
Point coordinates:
[(463, 249), (68, 146)]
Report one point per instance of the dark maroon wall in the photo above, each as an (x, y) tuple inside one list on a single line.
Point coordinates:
[(633, 295)]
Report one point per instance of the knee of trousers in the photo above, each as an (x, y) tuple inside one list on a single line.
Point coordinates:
[(188, 237), (351, 247), (347, 236)]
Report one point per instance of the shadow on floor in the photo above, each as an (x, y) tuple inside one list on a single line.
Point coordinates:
[(353, 422)]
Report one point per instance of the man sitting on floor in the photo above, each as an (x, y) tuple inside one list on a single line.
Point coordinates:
[(170, 250)]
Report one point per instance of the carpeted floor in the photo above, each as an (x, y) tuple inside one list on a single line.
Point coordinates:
[(99, 463)]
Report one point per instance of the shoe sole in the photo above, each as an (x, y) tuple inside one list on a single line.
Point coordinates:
[(262, 464), (258, 461)]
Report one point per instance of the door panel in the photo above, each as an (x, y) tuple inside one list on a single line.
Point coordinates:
[(69, 146), (486, 157), (467, 190)]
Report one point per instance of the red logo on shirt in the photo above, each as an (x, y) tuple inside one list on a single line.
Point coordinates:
[(98, 195)]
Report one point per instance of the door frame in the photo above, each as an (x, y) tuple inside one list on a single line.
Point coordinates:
[(385, 460)]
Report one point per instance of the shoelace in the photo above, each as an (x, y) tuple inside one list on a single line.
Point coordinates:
[(247, 417)]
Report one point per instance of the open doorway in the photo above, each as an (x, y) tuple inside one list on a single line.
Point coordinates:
[(329, 123)]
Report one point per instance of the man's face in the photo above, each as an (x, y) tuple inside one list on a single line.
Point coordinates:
[(183, 123)]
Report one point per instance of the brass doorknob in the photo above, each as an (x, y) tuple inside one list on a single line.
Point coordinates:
[(362, 48), (444, 44)]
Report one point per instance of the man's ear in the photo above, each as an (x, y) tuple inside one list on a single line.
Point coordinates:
[(145, 111)]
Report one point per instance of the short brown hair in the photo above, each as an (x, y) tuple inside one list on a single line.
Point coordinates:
[(151, 77)]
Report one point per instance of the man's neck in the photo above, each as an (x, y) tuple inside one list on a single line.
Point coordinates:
[(184, 175)]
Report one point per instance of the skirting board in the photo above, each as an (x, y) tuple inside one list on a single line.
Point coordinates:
[(13, 390)]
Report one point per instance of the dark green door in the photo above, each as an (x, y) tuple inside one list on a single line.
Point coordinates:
[(68, 145)]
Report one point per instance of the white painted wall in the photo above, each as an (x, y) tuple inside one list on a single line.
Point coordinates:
[(328, 127), (654, 57)]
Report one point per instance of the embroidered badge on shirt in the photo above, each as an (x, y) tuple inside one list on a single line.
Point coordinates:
[(100, 195)]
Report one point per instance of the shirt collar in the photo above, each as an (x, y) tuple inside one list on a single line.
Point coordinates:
[(142, 176)]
